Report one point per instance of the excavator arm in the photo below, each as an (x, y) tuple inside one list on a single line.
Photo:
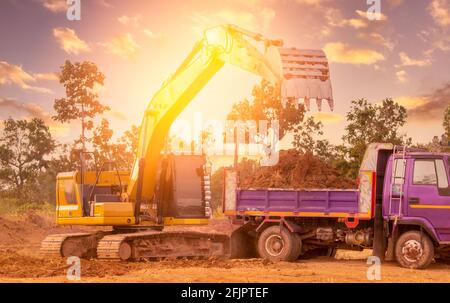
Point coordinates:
[(219, 45)]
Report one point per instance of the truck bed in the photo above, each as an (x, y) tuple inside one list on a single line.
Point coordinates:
[(292, 202)]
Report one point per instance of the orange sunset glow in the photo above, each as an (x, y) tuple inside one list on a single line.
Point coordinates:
[(138, 44)]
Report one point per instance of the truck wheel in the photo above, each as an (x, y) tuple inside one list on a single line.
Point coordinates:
[(278, 244), (414, 250)]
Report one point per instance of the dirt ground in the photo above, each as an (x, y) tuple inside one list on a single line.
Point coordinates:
[(20, 262)]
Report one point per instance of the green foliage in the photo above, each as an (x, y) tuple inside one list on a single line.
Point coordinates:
[(24, 146), (306, 141), (122, 152), (15, 206), (368, 123), (267, 105), (79, 80), (217, 181), (246, 168), (446, 123)]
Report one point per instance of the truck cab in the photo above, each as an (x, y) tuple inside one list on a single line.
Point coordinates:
[(416, 199)]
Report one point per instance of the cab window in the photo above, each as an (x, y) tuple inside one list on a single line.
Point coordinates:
[(430, 172), (399, 171), (424, 172), (441, 174), (69, 192)]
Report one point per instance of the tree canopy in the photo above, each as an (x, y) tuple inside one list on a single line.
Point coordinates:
[(24, 146)]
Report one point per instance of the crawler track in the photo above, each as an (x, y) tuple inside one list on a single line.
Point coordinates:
[(156, 244), (136, 245), (82, 245)]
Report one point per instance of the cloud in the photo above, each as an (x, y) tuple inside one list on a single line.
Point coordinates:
[(436, 38), (47, 76), (19, 110), (369, 16), (152, 35), (401, 76), (14, 74), (55, 6), (123, 46), (395, 3), (130, 20), (117, 115), (328, 117), (68, 41), (343, 53), (28, 110), (363, 21), (311, 2), (377, 39), (429, 107), (356, 23), (255, 19), (440, 11), (105, 3), (408, 61), (335, 19)]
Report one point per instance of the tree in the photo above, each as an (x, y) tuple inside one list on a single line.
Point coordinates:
[(246, 168), (129, 142), (368, 123), (101, 142), (81, 80), (122, 152), (24, 146), (305, 134), (267, 105), (446, 123)]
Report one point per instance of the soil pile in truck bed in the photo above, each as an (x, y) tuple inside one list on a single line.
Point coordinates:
[(299, 171)]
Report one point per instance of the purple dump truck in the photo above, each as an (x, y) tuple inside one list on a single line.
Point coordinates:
[(401, 210)]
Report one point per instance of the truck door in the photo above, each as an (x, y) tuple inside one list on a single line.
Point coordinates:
[(428, 193)]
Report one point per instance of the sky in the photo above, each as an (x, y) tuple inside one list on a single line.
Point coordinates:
[(137, 44)]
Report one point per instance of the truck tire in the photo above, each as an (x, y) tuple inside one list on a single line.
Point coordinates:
[(278, 244), (414, 250)]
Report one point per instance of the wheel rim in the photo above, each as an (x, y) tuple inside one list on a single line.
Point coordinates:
[(274, 245), (412, 250)]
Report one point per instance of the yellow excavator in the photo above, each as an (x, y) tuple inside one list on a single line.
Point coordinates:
[(164, 189)]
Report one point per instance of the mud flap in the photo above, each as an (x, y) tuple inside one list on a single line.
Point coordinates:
[(379, 246), (390, 256), (243, 244)]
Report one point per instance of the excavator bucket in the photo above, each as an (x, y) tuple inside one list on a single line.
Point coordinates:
[(306, 77)]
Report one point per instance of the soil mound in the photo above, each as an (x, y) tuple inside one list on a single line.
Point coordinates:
[(299, 171)]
